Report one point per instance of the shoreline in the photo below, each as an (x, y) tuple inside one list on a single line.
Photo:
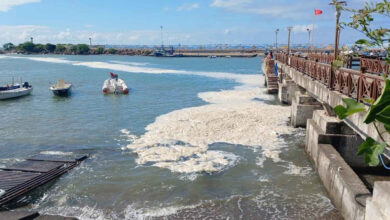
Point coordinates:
[(176, 55)]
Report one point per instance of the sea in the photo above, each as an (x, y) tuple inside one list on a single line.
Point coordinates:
[(196, 138)]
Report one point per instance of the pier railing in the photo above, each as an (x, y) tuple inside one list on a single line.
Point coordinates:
[(323, 58), (375, 66), (352, 83)]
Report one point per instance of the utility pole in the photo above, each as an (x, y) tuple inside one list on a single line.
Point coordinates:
[(308, 41), (162, 41), (288, 45), (338, 5), (90, 41), (276, 39)]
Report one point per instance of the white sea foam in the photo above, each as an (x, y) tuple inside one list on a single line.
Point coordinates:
[(56, 153), (148, 213), (41, 59), (50, 60), (130, 63), (292, 169), (233, 116)]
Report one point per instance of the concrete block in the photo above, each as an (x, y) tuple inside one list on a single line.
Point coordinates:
[(344, 186), (302, 108), (374, 212), (381, 196)]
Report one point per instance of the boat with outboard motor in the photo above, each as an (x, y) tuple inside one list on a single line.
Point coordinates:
[(15, 90), (61, 88), (114, 85)]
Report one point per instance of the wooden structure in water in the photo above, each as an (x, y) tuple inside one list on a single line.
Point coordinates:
[(271, 78), (23, 177)]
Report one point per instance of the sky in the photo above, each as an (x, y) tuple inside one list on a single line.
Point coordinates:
[(186, 22)]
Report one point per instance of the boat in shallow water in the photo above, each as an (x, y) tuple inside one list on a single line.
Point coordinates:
[(15, 90), (61, 88), (114, 85)]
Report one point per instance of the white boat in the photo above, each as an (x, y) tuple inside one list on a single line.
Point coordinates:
[(61, 88), (115, 85), (15, 90)]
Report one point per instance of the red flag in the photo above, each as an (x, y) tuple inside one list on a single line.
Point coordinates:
[(317, 12), (112, 74)]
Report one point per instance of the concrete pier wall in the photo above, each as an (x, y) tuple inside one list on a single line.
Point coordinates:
[(347, 191), (332, 145), (302, 109), (333, 98), (377, 206)]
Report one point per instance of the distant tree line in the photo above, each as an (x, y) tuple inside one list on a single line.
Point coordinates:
[(75, 49)]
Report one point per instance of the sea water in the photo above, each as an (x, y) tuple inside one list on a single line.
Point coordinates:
[(195, 138)]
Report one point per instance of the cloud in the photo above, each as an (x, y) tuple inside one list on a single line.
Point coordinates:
[(229, 3), (6, 5), (303, 28), (279, 9), (188, 7)]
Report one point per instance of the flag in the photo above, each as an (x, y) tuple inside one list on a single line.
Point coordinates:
[(317, 12)]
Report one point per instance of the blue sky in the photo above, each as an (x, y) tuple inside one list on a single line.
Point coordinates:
[(185, 21)]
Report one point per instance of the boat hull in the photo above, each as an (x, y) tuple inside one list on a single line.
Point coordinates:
[(113, 86), (15, 93), (62, 92)]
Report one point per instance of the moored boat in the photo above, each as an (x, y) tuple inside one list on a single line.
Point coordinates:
[(15, 90), (61, 88), (114, 85)]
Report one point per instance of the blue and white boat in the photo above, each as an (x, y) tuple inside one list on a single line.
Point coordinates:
[(61, 88), (15, 90)]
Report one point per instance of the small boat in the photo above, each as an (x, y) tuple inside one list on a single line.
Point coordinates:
[(115, 85), (212, 56), (15, 90), (61, 88)]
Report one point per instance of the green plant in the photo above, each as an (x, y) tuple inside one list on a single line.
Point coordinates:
[(9, 46), (50, 47), (60, 48), (378, 112), (362, 20), (112, 51), (100, 50)]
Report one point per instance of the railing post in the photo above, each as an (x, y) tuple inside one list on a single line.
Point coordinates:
[(360, 88), (331, 77)]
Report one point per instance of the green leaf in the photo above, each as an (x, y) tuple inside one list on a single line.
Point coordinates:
[(387, 127), (369, 101), (366, 146), (374, 156), (340, 111), (352, 108), (382, 102), (371, 150), (361, 41), (384, 116)]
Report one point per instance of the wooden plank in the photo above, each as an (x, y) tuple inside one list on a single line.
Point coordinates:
[(58, 158), (18, 215), (23, 177), (9, 179), (34, 166)]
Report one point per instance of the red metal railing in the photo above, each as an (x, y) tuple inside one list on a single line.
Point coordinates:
[(375, 66), (323, 58), (349, 82)]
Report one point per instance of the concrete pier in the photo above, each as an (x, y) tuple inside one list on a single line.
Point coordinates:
[(377, 206), (332, 144), (346, 190), (287, 90), (302, 109)]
